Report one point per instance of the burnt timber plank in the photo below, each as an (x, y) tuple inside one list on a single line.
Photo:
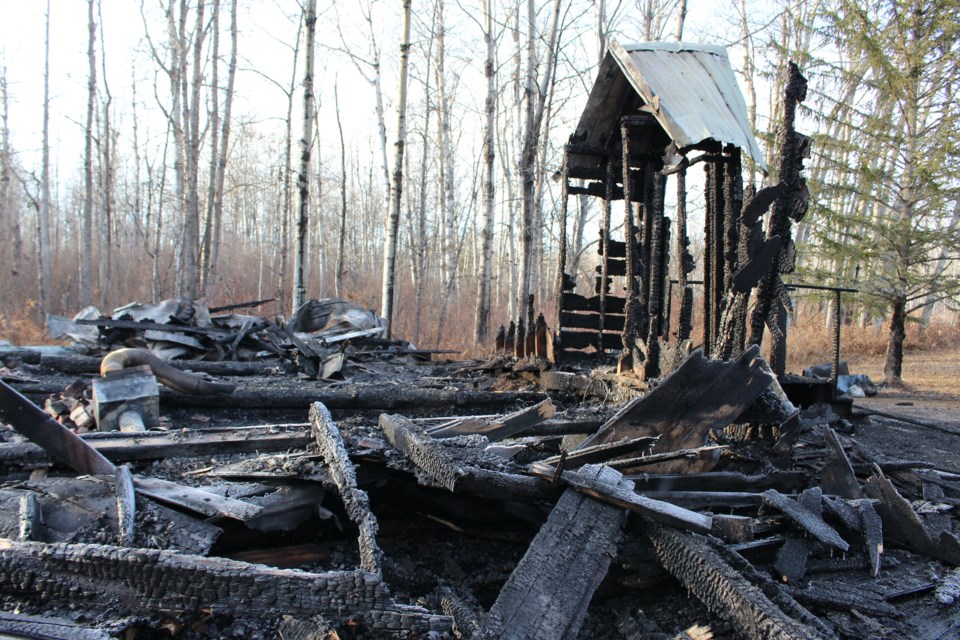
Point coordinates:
[(699, 396), (576, 302), (14, 625), (585, 339), (724, 590), (427, 455), (343, 474), (622, 495), (872, 535), (720, 481), (905, 526), (119, 447), (506, 426), (792, 558), (547, 595), (811, 522), (195, 499), (611, 321), (837, 476), (143, 581), (373, 397), (601, 452)]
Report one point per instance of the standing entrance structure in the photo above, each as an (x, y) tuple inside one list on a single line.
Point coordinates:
[(655, 111)]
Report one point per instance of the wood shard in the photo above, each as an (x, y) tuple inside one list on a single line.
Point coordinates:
[(505, 427), (343, 474), (699, 396), (419, 448), (547, 595), (811, 522)]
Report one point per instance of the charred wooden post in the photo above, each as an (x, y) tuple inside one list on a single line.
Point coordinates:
[(144, 581), (548, 593), (500, 341), (603, 285), (772, 299), (632, 309), (510, 339), (724, 590), (540, 337), (342, 473), (529, 345), (656, 275), (521, 339), (560, 284), (685, 264)]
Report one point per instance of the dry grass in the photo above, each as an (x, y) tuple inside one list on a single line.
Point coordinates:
[(21, 326)]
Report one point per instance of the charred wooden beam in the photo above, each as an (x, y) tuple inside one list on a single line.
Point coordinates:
[(373, 398), (720, 481), (343, 474), (623, 495), (548, 593), (601, 452), (463, 609), (505, 427), (195, 499), (723, 590), (121, 447), (419, 448), (14, 625), (143, 581)]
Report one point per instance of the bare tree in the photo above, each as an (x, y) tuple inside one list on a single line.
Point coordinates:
[(393, 221), (481, 326), (306, 142), (535, 102), (86, 227)]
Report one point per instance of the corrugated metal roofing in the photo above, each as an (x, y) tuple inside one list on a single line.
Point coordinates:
[(689, 88)]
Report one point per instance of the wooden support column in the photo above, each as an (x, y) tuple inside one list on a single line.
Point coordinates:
[(605, 251), (685, 264), (560, 283), (632, 302)]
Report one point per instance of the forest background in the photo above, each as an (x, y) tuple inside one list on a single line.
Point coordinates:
[(162, 147)]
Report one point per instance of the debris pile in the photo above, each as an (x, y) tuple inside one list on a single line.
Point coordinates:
[(553, 520)]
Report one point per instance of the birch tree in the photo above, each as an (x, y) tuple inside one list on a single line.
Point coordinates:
[(86, 229), (482, 323), (306, 143), (396, 193)]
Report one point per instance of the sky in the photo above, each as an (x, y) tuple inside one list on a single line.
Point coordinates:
[(266, 37)]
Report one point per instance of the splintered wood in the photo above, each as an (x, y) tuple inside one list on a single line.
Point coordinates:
[(700, 396), (547, 595)]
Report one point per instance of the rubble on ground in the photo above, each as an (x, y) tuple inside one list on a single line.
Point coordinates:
[(481, 499)]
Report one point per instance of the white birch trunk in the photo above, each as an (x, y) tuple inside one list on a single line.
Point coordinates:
[(303, 177), (393, 221)]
